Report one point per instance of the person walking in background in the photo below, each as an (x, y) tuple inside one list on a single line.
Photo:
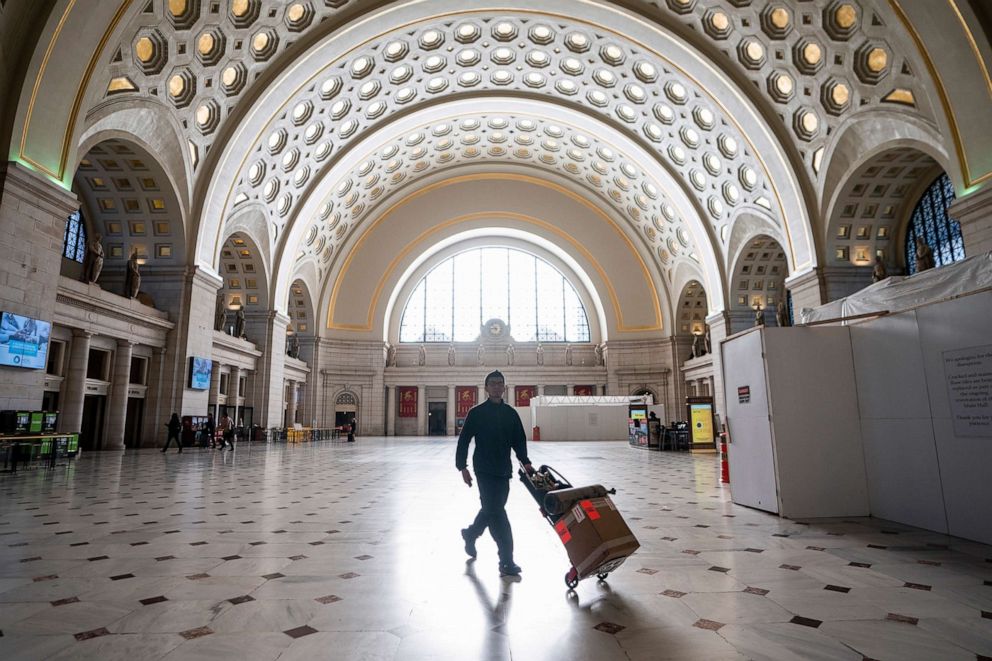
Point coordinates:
[(175, 426), (351, 429), (497, 429), (208, 428), (226, 428)]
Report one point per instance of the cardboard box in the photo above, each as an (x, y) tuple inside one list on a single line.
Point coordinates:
[(595, 536)]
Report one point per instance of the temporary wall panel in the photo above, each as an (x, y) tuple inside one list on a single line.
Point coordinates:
[(580, 423), (800, 381)]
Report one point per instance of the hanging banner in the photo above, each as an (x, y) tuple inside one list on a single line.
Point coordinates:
[(407, 396), (464, 399), (583, 391), (523, 395)]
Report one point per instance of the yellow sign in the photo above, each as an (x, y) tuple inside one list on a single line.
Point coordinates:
[(701, 419)]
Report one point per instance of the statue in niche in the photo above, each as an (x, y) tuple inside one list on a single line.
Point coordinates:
[(568, 355), (782, 315), (239, 323), (697, 349), (706, 340), (924, 256), (220, 313), (480, 356), (509, 354), (451, 355), (94, 260), (422, 356), (600, 358), (540, 354), (294, 346), (879, 272), (132, 282), (759, 316), (390, 356)]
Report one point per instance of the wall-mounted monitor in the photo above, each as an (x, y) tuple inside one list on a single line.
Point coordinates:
[(199, 373), (24, 341)]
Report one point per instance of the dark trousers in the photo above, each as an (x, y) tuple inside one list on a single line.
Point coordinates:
[(169, 440), (493, 492)]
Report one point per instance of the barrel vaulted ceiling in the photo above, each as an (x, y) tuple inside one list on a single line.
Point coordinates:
[(679, 117)]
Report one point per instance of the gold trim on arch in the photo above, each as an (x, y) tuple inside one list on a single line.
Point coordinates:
[(380, 286), (80, 91), (248, 153), (942, 91)]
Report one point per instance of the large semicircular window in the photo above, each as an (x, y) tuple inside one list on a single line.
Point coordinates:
[(464, 291)]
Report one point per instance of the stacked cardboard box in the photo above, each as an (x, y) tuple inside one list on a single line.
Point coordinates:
[(595, 536)]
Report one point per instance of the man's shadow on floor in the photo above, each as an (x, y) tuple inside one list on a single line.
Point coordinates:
[(496, 611)]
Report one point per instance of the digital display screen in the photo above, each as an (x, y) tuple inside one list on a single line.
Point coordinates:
[(24, 341), (199, 373)]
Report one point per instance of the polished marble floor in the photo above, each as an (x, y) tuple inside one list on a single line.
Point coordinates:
[(351, 551)]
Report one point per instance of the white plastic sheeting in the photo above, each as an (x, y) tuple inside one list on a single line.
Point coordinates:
[(903, 293)]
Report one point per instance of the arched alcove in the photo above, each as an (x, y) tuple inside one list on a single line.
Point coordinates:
[(758, 282)]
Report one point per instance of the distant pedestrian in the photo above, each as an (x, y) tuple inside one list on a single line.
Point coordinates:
[(226, 428), (208, 430), (351, 429), (175, 426)]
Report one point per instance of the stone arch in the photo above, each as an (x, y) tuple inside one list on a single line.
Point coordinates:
[(242, 269), (691, 312), (757, 280), (300, 310)]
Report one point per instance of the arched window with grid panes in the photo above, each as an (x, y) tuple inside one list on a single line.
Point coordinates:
[(457, 296), (930, 221), (74, 241)]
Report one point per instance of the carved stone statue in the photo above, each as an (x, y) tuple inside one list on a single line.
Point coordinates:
[(451, 355), (759, 316), (600, 360), (706, 340), (568, 355), (924, 255), (132, 282), (509, 354), (220, 313), (94, 260), (294, 346), (480, 356), (239, 323), (422, 356), (782, 315), (390, 356), (540, 354), (697, 349), (879, 272)]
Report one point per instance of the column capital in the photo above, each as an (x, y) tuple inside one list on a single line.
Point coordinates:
[(974, 212), (122, 343), (79, 332)]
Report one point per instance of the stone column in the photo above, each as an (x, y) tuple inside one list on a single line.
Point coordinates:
[(117, 407), (540, 390), (569, 390), (214, 389), (71, 416), (808, 290), (974, 212), (233, 393), (450, 422), (421, 411), (33, 213), (270, 328), (290, 402), (390, 410), (482, 395), (310, 354), (153, 429), (510, 395), (719, 329)]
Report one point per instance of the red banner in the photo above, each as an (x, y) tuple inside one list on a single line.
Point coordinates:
[(524, 393), (407, 396), (465, 397), (583, 391)]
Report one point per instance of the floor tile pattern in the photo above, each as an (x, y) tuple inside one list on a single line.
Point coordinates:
[(352, 551)]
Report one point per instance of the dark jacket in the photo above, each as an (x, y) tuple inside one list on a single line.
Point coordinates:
[(497, 429), (175, 426)]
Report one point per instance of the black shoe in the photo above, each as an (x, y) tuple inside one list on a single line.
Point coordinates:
[(511, 569), (469, 543)]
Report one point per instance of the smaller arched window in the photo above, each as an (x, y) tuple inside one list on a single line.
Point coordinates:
[(930, 221), (74, 241)]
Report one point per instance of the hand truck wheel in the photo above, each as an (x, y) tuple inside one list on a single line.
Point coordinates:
[(572, 578), (602, 576)]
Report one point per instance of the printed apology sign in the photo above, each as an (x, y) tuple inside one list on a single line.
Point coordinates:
[(968, 373)]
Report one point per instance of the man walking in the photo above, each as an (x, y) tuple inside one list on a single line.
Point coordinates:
[(496, 428)]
